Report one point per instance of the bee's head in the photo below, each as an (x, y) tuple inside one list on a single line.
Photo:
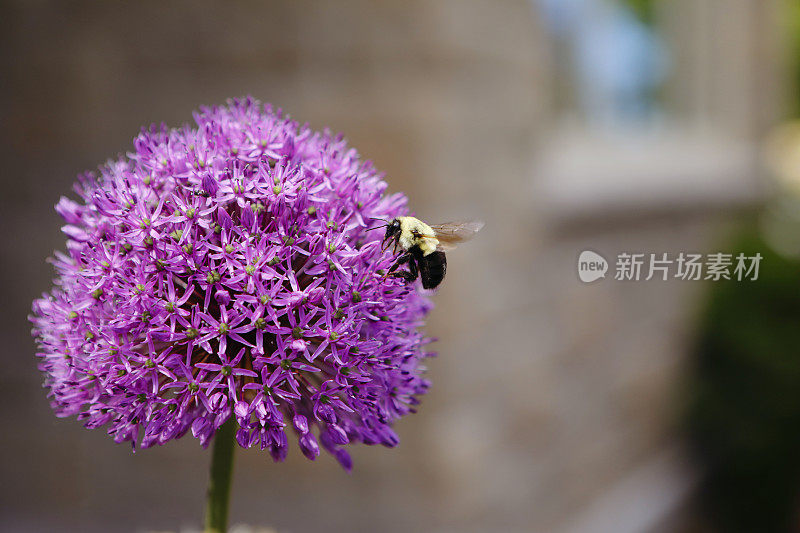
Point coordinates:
[(392, 233)]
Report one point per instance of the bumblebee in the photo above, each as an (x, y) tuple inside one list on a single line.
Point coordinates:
[(424, 247)]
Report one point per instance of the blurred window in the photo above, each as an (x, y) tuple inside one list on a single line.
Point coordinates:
[(654, 104), (610, 56)]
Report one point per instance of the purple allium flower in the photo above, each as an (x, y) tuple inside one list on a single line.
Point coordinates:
[(228, 270)]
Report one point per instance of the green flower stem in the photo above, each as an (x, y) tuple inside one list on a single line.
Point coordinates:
[(219, 483)]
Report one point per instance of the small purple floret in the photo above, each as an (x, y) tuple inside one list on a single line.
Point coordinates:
[(229, 270)]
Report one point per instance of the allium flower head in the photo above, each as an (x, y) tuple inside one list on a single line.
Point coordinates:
[(229, 270)]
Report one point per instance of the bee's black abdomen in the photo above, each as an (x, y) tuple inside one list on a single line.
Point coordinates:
[(432, 268)]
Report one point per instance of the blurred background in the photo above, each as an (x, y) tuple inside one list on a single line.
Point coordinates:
[(613, 125)]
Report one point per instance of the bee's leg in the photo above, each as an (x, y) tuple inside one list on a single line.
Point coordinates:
[(409, 276), (403, 259), (412, 268)]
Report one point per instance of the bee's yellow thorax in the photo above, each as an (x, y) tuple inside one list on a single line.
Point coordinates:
[(414, 232)]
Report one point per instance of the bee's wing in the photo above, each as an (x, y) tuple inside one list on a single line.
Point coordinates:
[(444, 247), (450, 234)]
